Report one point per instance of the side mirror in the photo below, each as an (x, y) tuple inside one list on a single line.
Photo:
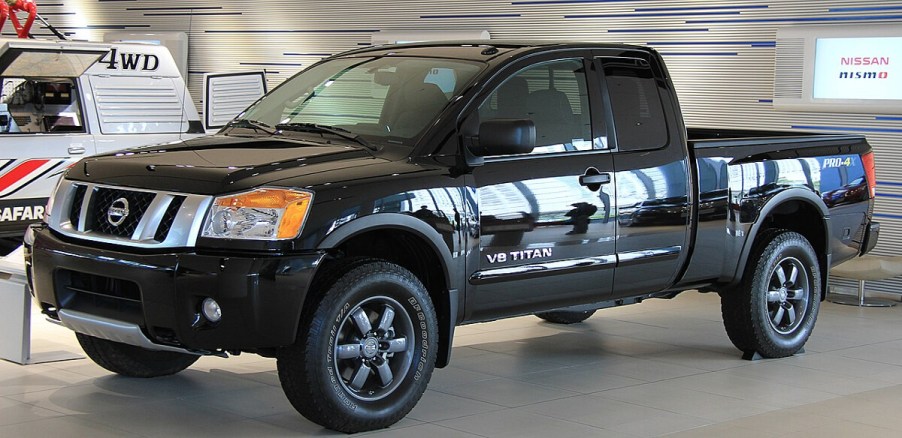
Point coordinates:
[(505, 137)]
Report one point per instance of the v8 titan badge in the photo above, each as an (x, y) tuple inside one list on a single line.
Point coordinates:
[(117, 212), (519, 255)]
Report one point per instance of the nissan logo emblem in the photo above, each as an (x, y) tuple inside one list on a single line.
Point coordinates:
[(117, 212)]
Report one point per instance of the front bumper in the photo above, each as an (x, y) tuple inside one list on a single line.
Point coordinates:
[(261, 297)]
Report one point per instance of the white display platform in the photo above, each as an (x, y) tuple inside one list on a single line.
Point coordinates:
[(15, 316)]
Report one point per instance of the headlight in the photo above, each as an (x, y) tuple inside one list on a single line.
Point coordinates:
[(263, 214)]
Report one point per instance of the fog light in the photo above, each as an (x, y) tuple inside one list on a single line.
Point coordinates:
[(211, 310)]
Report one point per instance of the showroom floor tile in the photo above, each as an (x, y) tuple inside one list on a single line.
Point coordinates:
[(661, 368)]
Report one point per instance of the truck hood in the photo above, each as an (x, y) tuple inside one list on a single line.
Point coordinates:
[(218, 164)]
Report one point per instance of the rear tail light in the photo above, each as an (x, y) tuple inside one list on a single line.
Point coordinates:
[(867, 160)]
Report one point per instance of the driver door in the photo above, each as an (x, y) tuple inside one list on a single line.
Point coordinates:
[(546, 231)]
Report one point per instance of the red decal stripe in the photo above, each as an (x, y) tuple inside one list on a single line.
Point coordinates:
[(19, 172)]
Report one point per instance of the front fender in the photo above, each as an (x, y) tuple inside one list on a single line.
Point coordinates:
[(394, 221)]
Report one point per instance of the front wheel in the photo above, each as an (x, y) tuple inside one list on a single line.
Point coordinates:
[(365, 353), (774, 309)]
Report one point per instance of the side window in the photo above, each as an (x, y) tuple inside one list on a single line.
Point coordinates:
[(635, 103), (554, 96), (47, 105)]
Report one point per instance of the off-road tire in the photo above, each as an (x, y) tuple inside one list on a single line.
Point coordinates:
[(566, 316), (335, 346), (752, 311), (132, 361)]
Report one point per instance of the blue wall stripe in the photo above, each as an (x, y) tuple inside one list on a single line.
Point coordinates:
[(655, 30), (699, 53), (887, 118), (565, 2), (289, 31), (888, 216), (182, 8), (650, 14), (889, 195), (471, 16), (306, 54), (846, 128), (104, 26), (188, 14), (697, 8), (765, 101), (714, 43), (889, 183), (271, 63), (866, 9), (800, 19)]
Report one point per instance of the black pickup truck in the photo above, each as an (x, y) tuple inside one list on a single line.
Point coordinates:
[(348, 221)]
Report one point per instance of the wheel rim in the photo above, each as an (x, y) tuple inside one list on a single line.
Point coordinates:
[(374, 348), (788, 293)]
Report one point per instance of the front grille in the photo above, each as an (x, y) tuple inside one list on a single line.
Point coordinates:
[(99, 295), (75, 214), (168, 218), (154, 219), (104, 198)]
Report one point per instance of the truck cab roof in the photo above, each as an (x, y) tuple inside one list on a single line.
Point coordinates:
[(480, 50)]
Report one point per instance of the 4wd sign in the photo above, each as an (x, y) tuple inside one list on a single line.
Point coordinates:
[(116, 60)]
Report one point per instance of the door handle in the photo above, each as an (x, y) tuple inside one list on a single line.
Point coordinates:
[(600, 178), (76, 150)]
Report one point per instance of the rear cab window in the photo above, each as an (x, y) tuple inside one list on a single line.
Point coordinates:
[(636, 105)]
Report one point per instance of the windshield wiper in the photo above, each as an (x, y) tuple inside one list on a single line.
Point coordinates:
[(334, 130), (251, 124)]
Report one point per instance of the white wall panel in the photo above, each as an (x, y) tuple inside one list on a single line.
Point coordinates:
[(720, 53)]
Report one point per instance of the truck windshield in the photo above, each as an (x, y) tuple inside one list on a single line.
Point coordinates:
[(385, 99)]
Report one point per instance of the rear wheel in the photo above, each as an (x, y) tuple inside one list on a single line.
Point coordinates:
[(773, 311), (365, 354), (132, 361), (566, 316)]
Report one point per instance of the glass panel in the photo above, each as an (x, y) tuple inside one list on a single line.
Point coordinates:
[(554, 96), (389, 99), (39, 106), (636, 104)]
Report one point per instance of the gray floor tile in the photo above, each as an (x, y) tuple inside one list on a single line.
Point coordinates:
[(506, 392), (14, 412), (661, 368), (520, 423), (64, 427), (437, 406)]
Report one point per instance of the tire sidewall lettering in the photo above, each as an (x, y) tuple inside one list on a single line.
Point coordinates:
[(330, 359)]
